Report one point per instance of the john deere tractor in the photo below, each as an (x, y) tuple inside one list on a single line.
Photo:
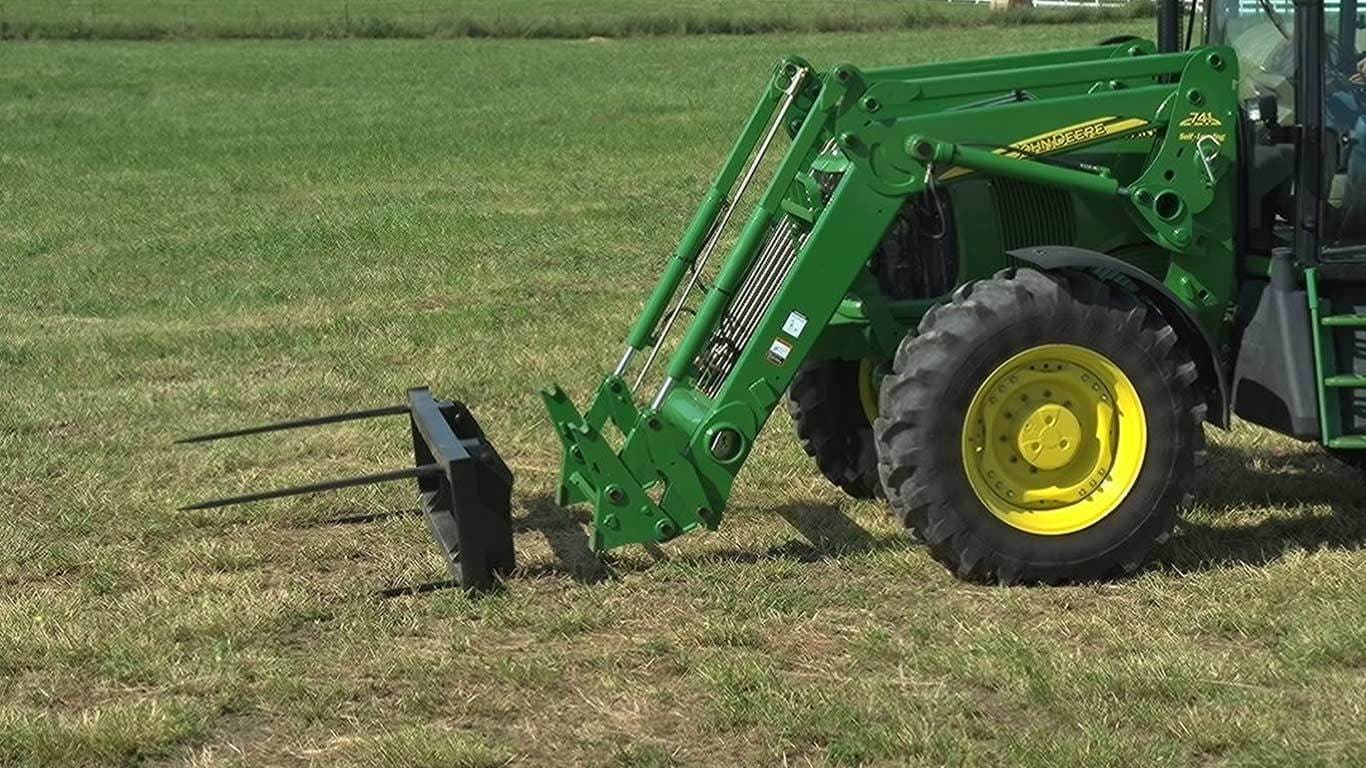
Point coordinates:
[(1004, 294)]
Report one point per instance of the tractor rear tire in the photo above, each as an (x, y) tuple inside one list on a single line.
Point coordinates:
[(824, 402), (1040, 429)]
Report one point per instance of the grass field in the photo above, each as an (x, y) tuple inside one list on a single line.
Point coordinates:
[(194, 236), (157, 19)]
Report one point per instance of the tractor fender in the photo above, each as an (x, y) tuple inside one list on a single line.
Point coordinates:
[(1204, 351)]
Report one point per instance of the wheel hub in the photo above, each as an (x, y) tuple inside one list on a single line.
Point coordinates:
[(1054, 439), (1050, 437)]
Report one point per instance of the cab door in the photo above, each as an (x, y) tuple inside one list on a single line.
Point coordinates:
[(1342, 82)]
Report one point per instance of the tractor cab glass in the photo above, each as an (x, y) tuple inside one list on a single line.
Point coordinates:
[(1263, 33), (1344, 85)]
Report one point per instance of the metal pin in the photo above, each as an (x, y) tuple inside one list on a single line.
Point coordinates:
[(625, 362), (664, 391), (1205, 157)]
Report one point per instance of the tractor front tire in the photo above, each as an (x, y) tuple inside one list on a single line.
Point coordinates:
[(1040, 428), (833, 425)]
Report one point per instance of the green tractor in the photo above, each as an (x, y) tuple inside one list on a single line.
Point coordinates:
[(1004, 294)]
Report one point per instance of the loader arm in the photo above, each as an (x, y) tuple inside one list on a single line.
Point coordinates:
[(859, 144)]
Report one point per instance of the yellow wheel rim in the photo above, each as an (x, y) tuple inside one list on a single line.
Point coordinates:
[(868, 389), (1055, 439)]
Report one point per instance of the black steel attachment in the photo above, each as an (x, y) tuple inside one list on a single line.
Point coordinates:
[(464, 488)]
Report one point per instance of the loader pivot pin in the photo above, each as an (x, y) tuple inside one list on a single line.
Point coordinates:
[(464, 488)]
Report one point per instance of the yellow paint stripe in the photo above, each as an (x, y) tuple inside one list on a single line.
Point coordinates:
[(1113, 128)]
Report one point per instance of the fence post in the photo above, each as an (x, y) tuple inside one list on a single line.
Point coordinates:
[(346, 15)]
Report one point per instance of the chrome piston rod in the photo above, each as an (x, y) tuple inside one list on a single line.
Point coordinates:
[(731, 325), (789, 96)]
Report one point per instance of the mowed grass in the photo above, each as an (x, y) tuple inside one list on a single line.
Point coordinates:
[(157, 19), (198, 236)]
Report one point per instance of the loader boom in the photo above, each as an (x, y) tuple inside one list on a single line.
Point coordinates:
[(859, 145)]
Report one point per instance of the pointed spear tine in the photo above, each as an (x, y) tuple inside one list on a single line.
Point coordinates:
[(391, 410), (331, 485)]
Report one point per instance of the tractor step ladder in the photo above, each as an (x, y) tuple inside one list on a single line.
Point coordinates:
[(1344, 321), (1339, 383)]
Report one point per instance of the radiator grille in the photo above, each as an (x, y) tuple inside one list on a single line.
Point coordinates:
[(1031, 215)]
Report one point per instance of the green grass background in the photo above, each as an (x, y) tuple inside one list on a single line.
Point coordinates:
[(156, 19), (200, 235)]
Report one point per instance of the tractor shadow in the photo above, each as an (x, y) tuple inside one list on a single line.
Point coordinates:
[(1243, 484), (830, 532), (566, 532), (826, 532), (347, 517)]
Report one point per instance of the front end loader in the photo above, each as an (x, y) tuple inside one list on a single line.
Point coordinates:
[(1004, 294), (1067, 366)]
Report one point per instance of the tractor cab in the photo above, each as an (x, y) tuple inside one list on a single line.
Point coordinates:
[(1307, 64), (1299, 368)]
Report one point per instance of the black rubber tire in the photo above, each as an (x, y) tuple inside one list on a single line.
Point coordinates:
[(833, 428), (936, 375)]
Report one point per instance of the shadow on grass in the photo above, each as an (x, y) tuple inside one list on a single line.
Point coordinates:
[(827, 532), (566, 531), (416, 589), (1244, 483), (358, 518)]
